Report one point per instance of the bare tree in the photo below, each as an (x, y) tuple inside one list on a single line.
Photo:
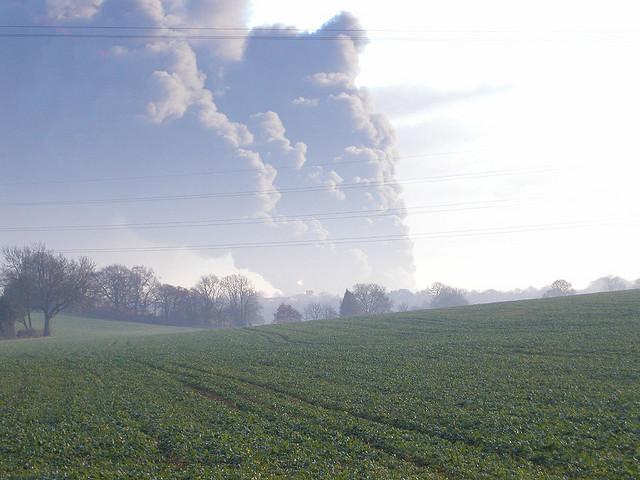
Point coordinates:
[(143, 288), (57, 282), (319, 311), (10, 313), (17, 279), (211, 298), (372, 298), (125, 292), (445, 296), (175, 304), (313, 311), (559, 288), (608, 284), (328, 312), (242, 300), (113, 288)]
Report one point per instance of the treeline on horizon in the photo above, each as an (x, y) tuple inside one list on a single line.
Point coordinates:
[(35, 279)]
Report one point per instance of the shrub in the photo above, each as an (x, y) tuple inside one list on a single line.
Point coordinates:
[(29, 333)]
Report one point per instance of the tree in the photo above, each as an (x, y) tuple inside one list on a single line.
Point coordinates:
[(445, 296), (372, 298), (242, 307), (403, 307), (328, 312), (125, 292), (319, 311), (286, 314), (9, 315), (175, 304), (112, 288), (350, 306), (313, 311), (54, 282), (608, 284), (18, 298), (210, 299), (559, 288), (143, 286), (17, 279)]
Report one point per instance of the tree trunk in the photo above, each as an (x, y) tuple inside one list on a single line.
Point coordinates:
[(47, 325), (29, 317)]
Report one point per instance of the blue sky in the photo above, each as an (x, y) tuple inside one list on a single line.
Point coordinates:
[(545, 102)]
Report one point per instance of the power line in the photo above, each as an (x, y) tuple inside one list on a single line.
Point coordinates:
[(344, 215), (179, 37), (289, 35), (216, 172), (362, 239), (322, 29), (275, 191)]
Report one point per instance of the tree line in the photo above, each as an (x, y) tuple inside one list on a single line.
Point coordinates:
[(368, 299), (35, 279)]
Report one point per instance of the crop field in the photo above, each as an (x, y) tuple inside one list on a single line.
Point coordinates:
[(538, 389)]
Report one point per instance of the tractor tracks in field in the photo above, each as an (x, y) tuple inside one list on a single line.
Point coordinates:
[(416, 461), (211, 395), (191, 377), (372, 419)]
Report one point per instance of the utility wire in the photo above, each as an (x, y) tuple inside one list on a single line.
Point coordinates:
[(219, 172), (323, 29), (248, 193), (362, 239), (298, 38), (276, 219), (293, 34), (180, 36), (320, 30)]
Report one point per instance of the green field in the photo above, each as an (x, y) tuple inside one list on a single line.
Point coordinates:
[(68, 327), (536, 389)]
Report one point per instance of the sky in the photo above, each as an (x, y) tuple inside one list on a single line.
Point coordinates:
[(495, 142)]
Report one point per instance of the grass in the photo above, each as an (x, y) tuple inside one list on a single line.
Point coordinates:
[(535, 389), (71, 327)]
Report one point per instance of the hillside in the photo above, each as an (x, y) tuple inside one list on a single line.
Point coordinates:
[(535, 389), (72, 327)]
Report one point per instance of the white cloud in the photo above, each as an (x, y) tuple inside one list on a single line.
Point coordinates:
[(306, 102), (332, 79), (182, 86), (264, 176), (317, 175), (271, 136), (65, 10)]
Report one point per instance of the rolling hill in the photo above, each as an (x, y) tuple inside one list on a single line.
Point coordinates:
[(72, 327), (534, 389)]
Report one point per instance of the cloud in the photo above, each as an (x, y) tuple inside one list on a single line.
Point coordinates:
[(342, 131), (358, 105), (264, 176), (319, 176), (332, 79), (271, 136), (66, 10), (182, 86), (408, 100), (279, 117), (306, 102)]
